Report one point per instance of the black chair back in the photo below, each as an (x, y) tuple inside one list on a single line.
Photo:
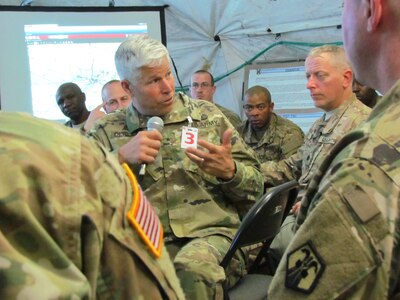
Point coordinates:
[(263, 221)]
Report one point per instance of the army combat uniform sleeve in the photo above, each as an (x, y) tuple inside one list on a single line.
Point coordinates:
[(322, 136), (278, 172), (290, 135), (231, 116), (247, 184), (64, 231), (179, 189), (347, 245), (291, 143)]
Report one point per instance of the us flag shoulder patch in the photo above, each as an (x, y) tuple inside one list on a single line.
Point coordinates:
[(143, 218)]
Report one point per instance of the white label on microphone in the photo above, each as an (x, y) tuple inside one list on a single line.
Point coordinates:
[(189, 137)]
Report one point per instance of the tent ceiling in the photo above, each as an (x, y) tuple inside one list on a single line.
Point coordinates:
[(223, 35)]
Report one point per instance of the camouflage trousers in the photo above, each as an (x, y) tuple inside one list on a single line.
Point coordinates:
[(197, 265), (282, 240)]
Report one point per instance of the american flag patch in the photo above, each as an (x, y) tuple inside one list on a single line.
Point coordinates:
[(143, 218)]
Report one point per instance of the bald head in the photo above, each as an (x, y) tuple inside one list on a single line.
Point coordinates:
[(115, 96), (258, 107), (371, 31), (259, 90), (70, 86), (71, 101)]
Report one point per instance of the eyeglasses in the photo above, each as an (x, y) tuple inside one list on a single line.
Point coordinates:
[(196, 85), (249, 108)]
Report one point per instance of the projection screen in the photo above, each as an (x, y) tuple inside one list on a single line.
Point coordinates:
[(43, 47), (286, 81)]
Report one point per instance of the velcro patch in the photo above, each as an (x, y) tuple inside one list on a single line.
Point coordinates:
[(143, 218), (361, 203), (304, 268)]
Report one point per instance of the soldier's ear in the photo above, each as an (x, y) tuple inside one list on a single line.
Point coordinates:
[(126, 85), (213, 89), (347, 78), (373, 12)]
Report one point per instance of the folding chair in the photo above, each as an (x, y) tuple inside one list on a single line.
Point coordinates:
[(261, 224)]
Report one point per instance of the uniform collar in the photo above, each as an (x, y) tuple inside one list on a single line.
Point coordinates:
[(337, 114), (250, 136), (182, 108)]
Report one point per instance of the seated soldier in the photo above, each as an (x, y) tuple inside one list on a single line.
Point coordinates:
[(203, 87), (71, 101), (199, 173), (114, 97), (348, 245), (272, 137), (329, 80)]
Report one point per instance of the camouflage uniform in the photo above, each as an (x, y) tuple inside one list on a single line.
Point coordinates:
[(63, 226), (78, 127), (281, 139), (230, 115), (354, 197), (199, 212), (320, 139)]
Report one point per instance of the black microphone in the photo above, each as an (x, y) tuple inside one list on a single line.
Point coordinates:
[(154, 123)]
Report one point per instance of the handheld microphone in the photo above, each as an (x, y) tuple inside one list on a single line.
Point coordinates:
[(154, 123)]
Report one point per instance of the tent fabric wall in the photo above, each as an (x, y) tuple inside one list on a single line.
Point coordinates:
[(221, 35)]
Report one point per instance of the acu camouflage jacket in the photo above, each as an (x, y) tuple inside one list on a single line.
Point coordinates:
[(190, 202)]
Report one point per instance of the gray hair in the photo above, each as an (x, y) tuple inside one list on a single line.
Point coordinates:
[(337, 53), (136, 52)]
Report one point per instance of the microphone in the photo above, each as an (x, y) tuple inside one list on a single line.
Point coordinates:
[(154, 123)]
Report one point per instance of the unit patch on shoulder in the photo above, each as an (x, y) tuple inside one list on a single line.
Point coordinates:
[(304, 268)]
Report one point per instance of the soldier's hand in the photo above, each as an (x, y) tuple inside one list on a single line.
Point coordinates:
[(295, 209), (95, 114), (217, 159), (142, 148)]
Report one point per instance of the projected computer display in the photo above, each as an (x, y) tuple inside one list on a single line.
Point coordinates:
[(83, 54), (43, 47)]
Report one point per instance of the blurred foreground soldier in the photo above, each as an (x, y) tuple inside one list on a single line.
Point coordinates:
[(348, 245), (269, 135), (365, 94), (67, 229), (71, 101), (203, 87), (198, 173)]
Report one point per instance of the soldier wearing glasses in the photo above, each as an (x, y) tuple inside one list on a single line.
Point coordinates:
[(203, 87)]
